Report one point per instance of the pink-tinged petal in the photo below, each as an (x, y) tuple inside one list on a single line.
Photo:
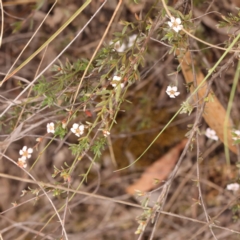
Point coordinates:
[(22, 159), (233, 186), (22, 163), (212, 132), (174, 88)]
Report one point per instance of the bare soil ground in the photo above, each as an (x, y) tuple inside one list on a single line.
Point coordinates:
[(105, 209)]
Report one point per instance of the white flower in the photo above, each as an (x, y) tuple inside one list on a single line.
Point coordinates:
[(22, 162), (233, 187), (132, 40), (115, 81), (175, 24), (50, 127), (172, 91), (118, 47), (106, 133), (25, 152), (210, 133), (236, 135), (77, 129), (122, 47)]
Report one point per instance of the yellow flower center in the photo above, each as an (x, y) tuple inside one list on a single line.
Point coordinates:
[(25, 153), (175, 24)]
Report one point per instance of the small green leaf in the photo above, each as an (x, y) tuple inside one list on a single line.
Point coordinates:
[(17, 26), (118, 92), (101, 104)]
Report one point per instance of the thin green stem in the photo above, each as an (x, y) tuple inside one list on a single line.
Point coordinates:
[(39, 155), (229, 107)]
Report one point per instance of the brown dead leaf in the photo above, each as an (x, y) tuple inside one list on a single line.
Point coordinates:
[(158, 170), (236, 2), (214, 113)]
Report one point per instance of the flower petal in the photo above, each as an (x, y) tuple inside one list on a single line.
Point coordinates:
[(75, 125), (81, 127), (175, 29), (22, 159), (30, 150), (233, 186), (178, 20), (180, 27), (169, 88), (174, 88), (116, 78)]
